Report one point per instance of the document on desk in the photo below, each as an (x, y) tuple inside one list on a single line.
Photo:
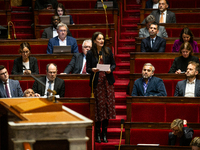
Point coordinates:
[(103, 67)]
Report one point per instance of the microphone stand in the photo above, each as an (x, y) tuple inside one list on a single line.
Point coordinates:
[(104, 7), (52, 98), (92, 93), (122, 122)]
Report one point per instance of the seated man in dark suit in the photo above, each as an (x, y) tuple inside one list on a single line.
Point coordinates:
[(144, 32), (191, 86), (152, 4), (163, 15), (62, 40), (51, 32), (153, 43), (148, 85), (8, 87), (51, 81), (78, 63)]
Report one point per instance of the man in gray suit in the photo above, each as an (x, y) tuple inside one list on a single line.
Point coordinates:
[(8, 87), (144, 32), (191, 86), (51, 32), (77, 64), (163, 15)]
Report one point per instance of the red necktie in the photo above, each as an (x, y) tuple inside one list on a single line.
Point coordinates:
[(6, 88), (84, 69)]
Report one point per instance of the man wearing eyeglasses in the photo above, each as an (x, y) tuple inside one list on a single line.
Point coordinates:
[(77, 64), (8, 88), (62, 40)]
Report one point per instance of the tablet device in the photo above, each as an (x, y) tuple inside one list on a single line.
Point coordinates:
[(108, 4), (62, 49), (65, 19)]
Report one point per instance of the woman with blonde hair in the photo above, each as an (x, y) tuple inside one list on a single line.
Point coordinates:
[(195, 143), (181, 134)]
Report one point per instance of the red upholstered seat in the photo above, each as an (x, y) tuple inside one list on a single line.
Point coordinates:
[(169, 86), (82, 108), (77, 88), (196, 133), (149, 136), (161, 65), (190, 112), (182, 3), (191, 17), (61, 64), (3, 20), (23, 84), (146, 112), (175, 32)]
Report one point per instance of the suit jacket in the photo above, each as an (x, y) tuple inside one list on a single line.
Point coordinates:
[(59, 86), (18, 66), (75, 64), (144, 32), (48, 33), (55, 42), (92, 63), (159, 45), (171, 18), (149, 4), (15, 89), (184, 140), (180, 88), (155, 87)]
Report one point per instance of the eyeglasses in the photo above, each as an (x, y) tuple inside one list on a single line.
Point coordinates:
[(86, 46), (25, 52), (3, 73), (62, 30)]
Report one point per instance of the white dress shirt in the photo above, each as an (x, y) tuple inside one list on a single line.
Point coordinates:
[(55, 33), (62, 43), (47, 85), (190, 88), (26, 64), (84, 61), (155, 6)]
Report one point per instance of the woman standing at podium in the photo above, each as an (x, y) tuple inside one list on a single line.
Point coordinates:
[(102, 84)]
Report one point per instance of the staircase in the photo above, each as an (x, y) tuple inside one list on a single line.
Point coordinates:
[(126, 44), (22, 18)]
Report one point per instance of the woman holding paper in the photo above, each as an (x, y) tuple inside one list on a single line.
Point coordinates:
[(102, 83)]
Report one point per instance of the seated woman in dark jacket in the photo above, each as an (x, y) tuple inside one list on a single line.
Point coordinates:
[(180, 135), (25, 61), (180, 63)]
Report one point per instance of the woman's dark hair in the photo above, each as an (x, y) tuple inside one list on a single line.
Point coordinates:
[(60, 5), (23, 45), (188, 32), (186, 46), (94, 46)]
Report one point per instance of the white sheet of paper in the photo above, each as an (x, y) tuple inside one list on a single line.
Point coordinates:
[(103, 67)]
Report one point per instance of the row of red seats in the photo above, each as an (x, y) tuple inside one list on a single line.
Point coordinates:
[(73, 88), (161, 112)]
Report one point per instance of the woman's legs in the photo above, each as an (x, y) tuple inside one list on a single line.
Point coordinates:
[(97, 131), (104, 130)]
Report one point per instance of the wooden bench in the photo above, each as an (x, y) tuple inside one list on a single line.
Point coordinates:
[(170, 81), (174, 29), (38, 46), (169, 43), (73, 83), (179, 3), (181, 14)]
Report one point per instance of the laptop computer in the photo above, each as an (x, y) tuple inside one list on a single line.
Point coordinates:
[(62, 49), (65, 19), (108, 4)]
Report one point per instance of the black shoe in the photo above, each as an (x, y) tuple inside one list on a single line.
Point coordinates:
[(105, 138), (97, 131), (104, 130)]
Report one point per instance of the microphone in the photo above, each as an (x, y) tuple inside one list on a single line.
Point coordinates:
[(92, 93), (122, 123), (40, 82)]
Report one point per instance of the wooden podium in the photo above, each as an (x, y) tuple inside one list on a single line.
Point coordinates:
[(36, 121)]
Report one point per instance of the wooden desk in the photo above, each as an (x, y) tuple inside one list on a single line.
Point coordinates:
[(135, 147), (36, 127)]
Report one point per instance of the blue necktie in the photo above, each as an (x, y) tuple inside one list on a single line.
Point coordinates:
[(49, 87), (153, 42)]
